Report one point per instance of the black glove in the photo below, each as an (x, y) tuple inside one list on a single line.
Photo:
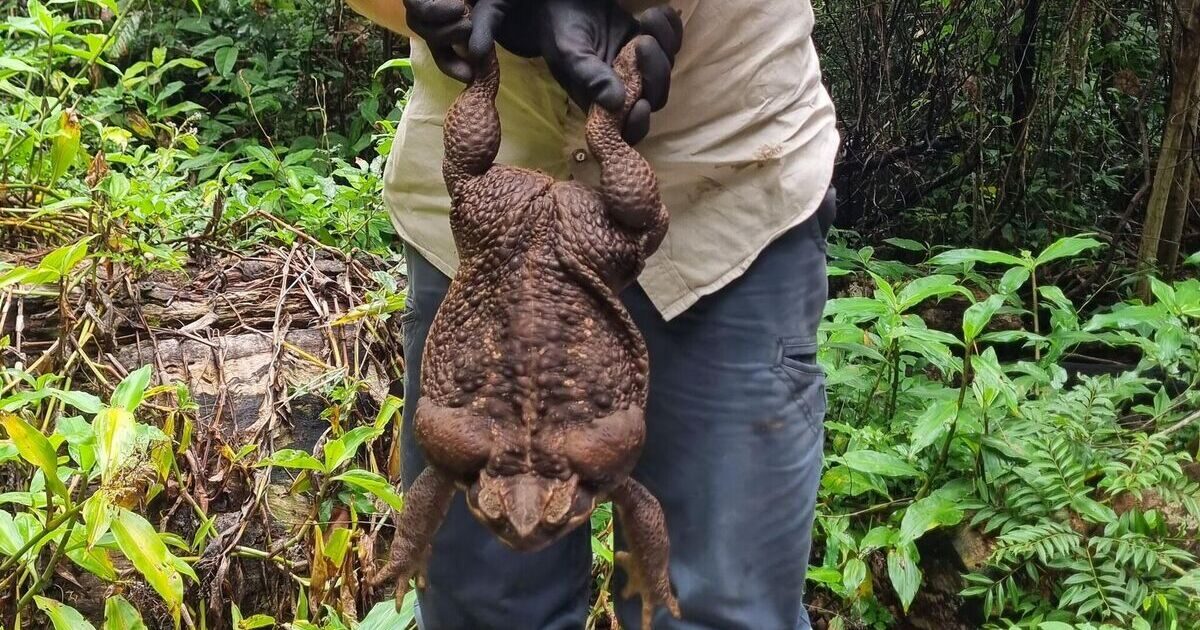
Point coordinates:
[(579, 39), (459, 35)]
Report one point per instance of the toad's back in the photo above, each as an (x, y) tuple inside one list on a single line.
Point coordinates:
[(530, 333)]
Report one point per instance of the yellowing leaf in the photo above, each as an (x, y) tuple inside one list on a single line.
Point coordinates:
[(115, 432), (142, 545), (119, 614), (335, 548), (65, 146), (35, 449), (61, 615), (97, 515)]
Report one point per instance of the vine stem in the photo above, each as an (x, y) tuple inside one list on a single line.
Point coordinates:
[(1033, 296), (891, 406)]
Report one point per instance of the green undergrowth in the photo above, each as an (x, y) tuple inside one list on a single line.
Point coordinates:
[(1070, 496)]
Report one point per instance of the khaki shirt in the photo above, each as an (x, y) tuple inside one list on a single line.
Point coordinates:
[(744, 149)]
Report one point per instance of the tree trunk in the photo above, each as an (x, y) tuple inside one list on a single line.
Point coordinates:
[(1167, 208)]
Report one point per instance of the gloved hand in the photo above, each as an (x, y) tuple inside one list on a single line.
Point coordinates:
[(459, 33), (579, 40)]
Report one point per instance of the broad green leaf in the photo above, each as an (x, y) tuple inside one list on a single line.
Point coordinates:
[(404, 64), (842, 481), (876, 463), (82, 401), (262, 154), (960, 256), (35, 449), (61, 615), (140, 543), (1014, 279), (384, 616), (387, 411), (926, 514), (1055, 625), (885, 292), (341, 450), (97, 515), (1164, 292), (374, 484), (855, 308), (929, 335), (926, 287), (132, 389), (1055, 296), (853, 574), (1187, 298), (119, 614), (16, 64), (1194, 259), (904, 243), (991, 383), (904, 573), (292, 458), (11, 539), (878, 538), (1093, 511), (1127, 317), (224, 60), (1066, 248), (25, 275), (115, 435), (337, 545), (824, 575), (931, 425), (61, 261), (978, 315), (256, 621), (250, 623)]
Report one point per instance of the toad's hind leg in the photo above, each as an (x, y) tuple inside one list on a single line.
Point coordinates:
[(628, 185), (425, 506), (454, 439), (471, 135), (646, 562)]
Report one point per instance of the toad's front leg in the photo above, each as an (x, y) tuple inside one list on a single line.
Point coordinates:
[(649, 549), (425, 506)]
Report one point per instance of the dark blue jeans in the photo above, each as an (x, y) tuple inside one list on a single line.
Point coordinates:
[(733, 449)]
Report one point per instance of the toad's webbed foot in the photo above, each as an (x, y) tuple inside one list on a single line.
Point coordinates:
[(426, 503), (645, 564)]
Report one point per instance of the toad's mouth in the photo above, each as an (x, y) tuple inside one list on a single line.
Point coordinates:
[(527, 511)]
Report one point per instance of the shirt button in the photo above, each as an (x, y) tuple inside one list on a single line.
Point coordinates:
[(580, 155)]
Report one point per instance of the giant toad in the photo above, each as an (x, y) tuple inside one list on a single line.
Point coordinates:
[(533, 381)]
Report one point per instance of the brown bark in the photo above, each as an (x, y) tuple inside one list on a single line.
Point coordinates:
[(1167, 208)]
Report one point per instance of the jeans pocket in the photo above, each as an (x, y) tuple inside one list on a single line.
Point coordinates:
[(408, 317), (798, 358), (797, 364)]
